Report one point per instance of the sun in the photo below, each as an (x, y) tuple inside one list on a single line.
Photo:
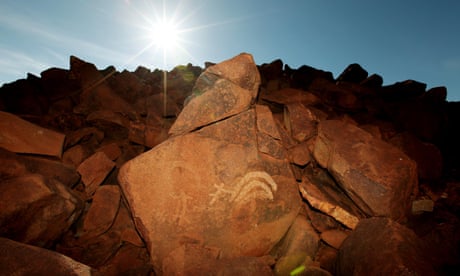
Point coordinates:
[(165, 34)]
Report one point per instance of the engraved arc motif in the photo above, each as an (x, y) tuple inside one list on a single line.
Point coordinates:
[(253, 185)]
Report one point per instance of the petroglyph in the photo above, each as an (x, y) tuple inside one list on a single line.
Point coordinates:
[(253, 185)]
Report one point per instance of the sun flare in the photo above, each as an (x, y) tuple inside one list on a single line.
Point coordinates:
[(165, 35)]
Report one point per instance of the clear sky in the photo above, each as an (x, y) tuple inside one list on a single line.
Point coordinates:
[(397, 39)]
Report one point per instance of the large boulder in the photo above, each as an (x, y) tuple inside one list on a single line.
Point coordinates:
[(214, 188), (377, 176)]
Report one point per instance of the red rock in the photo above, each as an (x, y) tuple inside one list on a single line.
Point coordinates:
[(103, 210), (191, 259), (334, 237), (319, 200), (320, 221), (96, 94), (46, 209), (18, 135), (128, 260), (291, 95), (380, 246), (73, 156), (339, 96), (299, 243), (108, 116), (239, 198), (22, 259), (299, 154), (240, 70), (377, 176), (221, 91), (327, 257), (300, 121), (94, 170), (112, 150)]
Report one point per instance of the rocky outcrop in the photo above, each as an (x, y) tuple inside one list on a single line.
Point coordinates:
[(225, 187), (237, 169)]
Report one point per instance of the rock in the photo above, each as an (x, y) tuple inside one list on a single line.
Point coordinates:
[(426, 155), (221, 91), (22, 259), (190, 259), (103, 210), (227, 181), (46, 209), (96, 93), (318, 200), (377, 176), (299, 154), (334, 237), (94, 170), (341, 97), (18, 135), (300, 122), (403, 90), (382, 246), (290, 95), (299, 244), (353, 73), (128, 260), (305, 75), (422, 205), (373, 81), (272, 70)]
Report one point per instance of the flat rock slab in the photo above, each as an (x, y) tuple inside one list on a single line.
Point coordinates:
[(379, 178), (211, 188), (20, 136)]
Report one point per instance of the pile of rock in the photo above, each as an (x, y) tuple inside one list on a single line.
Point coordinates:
[(239, 169)]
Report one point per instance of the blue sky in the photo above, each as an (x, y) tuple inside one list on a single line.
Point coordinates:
[(397, 39)]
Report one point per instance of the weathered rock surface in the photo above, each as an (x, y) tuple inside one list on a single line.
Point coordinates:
[(217, 189), (382, 246), (22, 259), (236, 152), (377, 176)]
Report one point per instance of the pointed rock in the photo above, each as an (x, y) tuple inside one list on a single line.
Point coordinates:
[(223, 90)]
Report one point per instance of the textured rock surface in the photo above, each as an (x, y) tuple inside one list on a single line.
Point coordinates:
[(377, 176), (214, 187)]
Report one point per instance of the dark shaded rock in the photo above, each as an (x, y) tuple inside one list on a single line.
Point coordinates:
[(382, 246), (300, 121), (36, 210), (403, 90), (22, 259), (305, 75), (353, 73), (373, 81), (272, 70), (426, 155)]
